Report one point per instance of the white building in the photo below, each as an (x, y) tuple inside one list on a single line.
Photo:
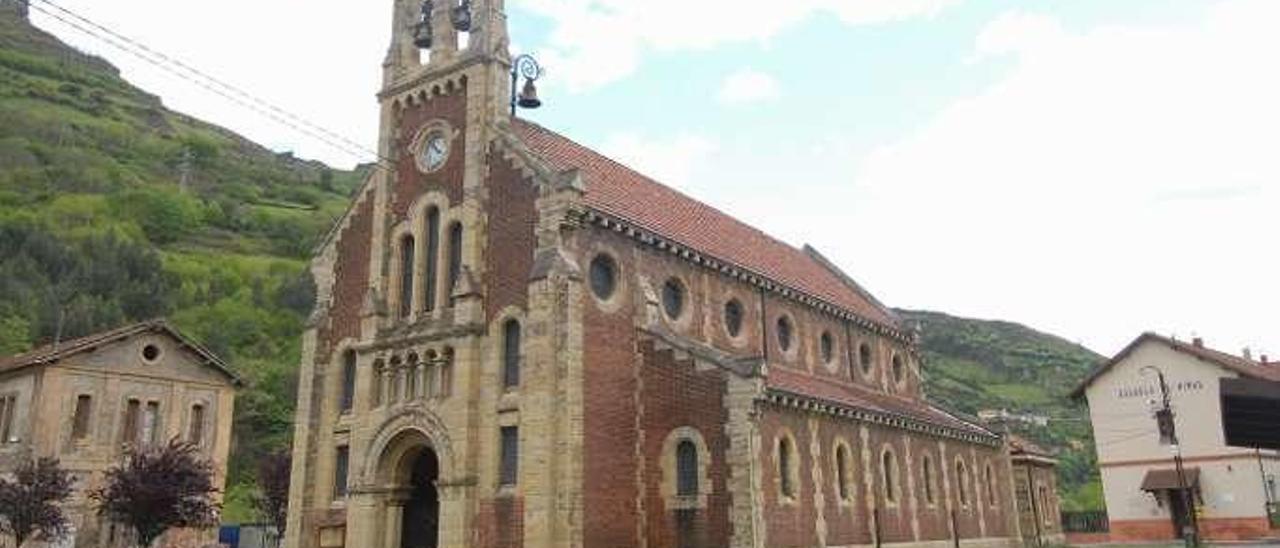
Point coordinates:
[(1231, 486)]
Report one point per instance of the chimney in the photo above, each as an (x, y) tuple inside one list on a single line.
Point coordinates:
[(1265, 361), (1197, 342), (1247, 353)]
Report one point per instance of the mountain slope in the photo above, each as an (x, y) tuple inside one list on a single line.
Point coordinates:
[(115, 209), (973, 365)]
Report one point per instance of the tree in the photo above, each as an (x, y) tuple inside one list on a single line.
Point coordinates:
[(30, 504), (158, 489), (272, 499)]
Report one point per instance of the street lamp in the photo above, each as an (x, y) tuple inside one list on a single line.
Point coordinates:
[(527, 67), (1169, 433)]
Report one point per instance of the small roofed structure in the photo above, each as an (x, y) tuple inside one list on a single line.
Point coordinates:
[(1035, 480)]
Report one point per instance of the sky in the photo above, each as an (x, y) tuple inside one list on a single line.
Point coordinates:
[(1090, 168)]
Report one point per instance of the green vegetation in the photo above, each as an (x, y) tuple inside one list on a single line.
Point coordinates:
[(114, 209), (972, 365)]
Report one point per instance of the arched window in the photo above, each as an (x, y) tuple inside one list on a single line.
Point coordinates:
[(604, 276), (843, 473), (348, 395), (930, 481), (827, 346), (673, 298), (899, 370), (865, 358), (889, 476), (379, 381), (962, 482), (397, 380), (733, 317), (686, 468), (784, 333), (432, 252), (785, 466), (431, 382), (455, 257), (511, 354), (406, 276), (195, 430)]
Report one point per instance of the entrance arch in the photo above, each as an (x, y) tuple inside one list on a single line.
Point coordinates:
[(420, 522)]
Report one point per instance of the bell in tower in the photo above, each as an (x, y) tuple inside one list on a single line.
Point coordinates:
[(422, 31)]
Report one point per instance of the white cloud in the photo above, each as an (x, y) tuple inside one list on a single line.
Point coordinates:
[(1117, 179), (669, 160), (597, 42), (748, 86)]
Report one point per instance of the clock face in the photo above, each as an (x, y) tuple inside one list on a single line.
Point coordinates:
[(436, 152)]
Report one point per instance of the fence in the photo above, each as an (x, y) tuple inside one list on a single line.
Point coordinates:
[(1085, 522)]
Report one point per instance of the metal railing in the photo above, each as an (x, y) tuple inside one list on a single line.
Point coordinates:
[(1086, 522)]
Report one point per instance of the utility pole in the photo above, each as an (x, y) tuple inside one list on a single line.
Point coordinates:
[(1169, 434)]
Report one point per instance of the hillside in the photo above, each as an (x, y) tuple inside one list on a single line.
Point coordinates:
[(972, 365), (115, 209)]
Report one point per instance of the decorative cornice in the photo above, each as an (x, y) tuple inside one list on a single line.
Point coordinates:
[(676, 249), (811, 404)]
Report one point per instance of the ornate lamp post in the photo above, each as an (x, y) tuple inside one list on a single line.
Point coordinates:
[(527, 67)]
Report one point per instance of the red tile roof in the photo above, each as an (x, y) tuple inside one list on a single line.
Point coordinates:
[(52, 353), (618, 191), (1231, 362), (801, 383)]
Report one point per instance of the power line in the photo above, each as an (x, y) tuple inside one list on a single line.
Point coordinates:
[(209, 83)]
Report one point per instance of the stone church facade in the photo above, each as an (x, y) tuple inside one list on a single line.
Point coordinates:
[(521, 343)]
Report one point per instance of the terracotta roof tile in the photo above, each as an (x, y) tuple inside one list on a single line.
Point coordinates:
[(796, 382), (618, 191)]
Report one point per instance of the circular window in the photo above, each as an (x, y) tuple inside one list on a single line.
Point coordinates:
[(604, 277), (784, 334), (673, 298), (151, 353), (435, 151), (864, 358), (899, 370), (733, 317), (827, 344)]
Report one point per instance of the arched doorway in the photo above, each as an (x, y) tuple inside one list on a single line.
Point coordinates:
[(420, 523)]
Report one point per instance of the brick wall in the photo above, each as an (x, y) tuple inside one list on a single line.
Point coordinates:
[(351, 275), (675, 394), (411, 183), (510, 236)]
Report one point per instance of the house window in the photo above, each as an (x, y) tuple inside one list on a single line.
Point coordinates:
[(686, 468), (151, 424), (511, 354), (962, 483), (889, 476), (865, 358), (406, 276), (843, 474), (8, 408), (455, 257), (80, 421), (196, 429), (341, 466), (673, 298), (786, 481), (733, 317), (604, 277), (784, 334), (827, 346), (930, 481), (132, 420), (432, 251), (510, 460), (348, 381)]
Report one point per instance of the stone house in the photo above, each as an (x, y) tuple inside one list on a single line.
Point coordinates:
[(1228, 486), (520, 342), (87, 401)]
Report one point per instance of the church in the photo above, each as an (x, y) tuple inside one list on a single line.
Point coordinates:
[(518, 342)]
